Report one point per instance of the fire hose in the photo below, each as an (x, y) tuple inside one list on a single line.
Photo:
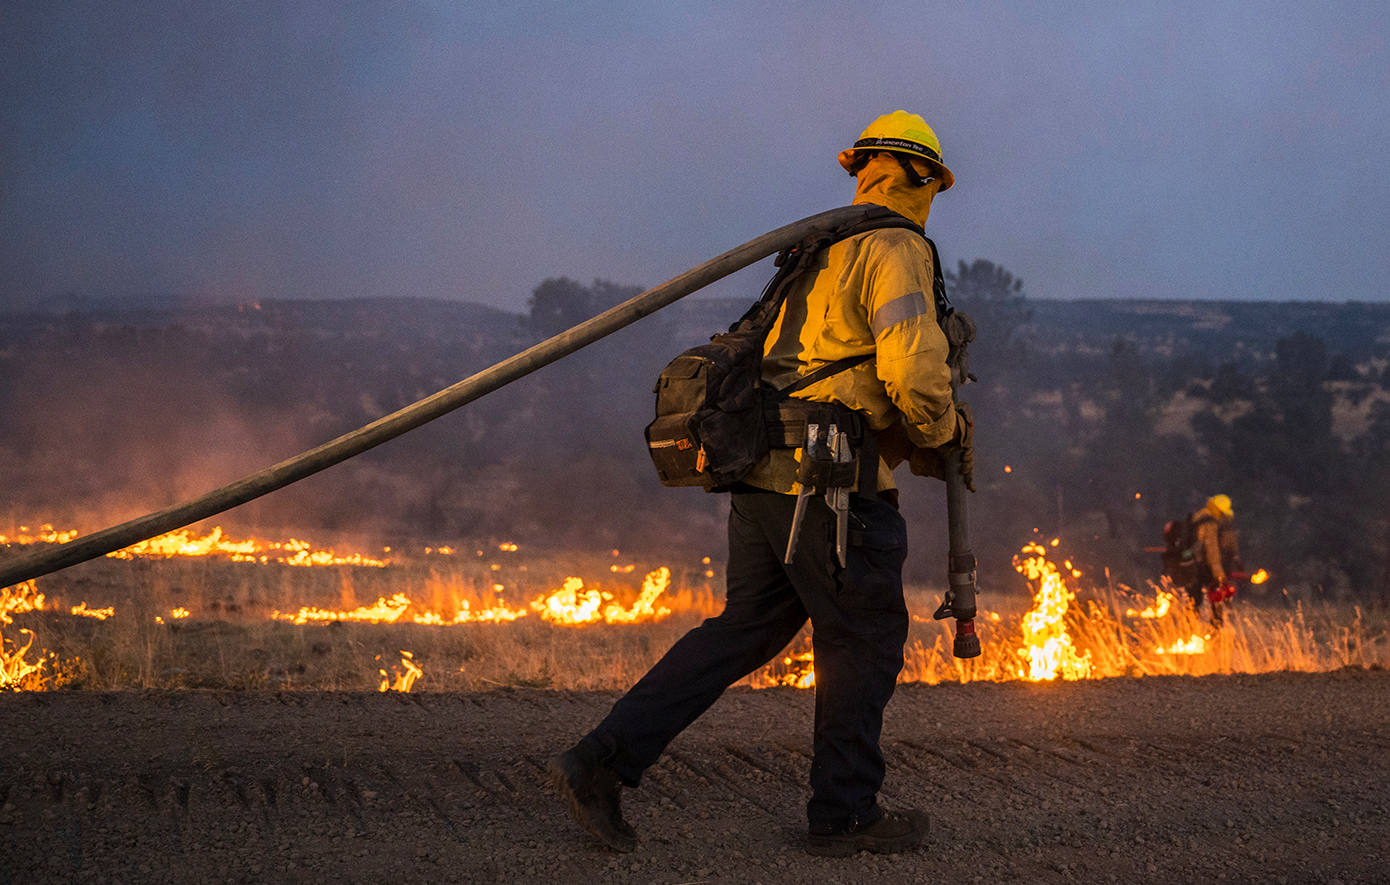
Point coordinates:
[(87, 547)]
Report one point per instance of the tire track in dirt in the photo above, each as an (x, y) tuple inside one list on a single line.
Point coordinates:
[(1153, 780)]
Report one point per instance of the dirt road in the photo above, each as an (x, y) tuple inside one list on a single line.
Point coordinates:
[(1280, 778)]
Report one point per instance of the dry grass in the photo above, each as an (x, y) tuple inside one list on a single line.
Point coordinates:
[(231, 640)]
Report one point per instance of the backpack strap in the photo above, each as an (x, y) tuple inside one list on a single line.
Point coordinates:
[(796, 257), (825, 371), (938, 284), (795, 260)]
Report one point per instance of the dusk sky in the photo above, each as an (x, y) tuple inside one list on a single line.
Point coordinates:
[(259, 150)]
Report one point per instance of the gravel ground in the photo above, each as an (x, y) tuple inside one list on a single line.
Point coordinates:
[(1276, 778)]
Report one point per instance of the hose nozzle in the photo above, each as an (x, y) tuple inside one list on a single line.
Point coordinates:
[(967, 644), (959, 603)]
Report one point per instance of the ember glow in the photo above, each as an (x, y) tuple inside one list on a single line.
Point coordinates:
[(795, 668), (1259, 577)]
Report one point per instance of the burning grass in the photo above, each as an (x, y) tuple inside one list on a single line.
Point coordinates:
[(445, 620)]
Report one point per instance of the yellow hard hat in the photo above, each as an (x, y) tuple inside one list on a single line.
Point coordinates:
[(1220, 507), (902, 133)]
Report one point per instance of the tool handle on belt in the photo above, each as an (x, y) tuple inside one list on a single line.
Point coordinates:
[(824, 465), (837, 496)]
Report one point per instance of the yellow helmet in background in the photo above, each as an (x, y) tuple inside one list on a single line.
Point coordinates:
[(903, 133), (1219, 506)]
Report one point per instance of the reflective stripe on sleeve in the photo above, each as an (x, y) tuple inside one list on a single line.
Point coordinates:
[(913, 304)]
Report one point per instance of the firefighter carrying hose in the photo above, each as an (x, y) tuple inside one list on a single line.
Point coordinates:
[(868, 305), (1202, 555)]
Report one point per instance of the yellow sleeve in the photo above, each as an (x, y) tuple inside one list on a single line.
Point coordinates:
[(911, 348)]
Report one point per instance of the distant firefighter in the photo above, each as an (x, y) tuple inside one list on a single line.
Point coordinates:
[(1201, 555)]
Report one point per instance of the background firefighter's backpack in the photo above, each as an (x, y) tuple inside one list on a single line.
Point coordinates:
[(1178, 561), (709, 429)]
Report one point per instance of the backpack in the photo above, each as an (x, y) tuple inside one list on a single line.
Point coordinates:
[(1176, 535), (710, 428), (1179, 537)]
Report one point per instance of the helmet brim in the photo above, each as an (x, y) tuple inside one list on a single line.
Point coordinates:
[(847, 157)]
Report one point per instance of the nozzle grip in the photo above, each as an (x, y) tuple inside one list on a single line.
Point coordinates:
[(967, 644)]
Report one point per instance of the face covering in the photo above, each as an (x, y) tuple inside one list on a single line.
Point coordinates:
[(883, 182)]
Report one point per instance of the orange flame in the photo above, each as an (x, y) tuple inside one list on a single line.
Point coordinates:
[(797, 669), (572, 604), (15, 671), (383, 610), (1259, 577), (644, 609), (100, 614), (23, 597), (1194, 646), (1158, 609), (803, 670), (185, 542), (46, 534), (1047, 647), (466, 615), (403, 680)]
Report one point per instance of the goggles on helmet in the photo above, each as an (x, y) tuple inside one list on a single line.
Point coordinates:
[(899, 144)]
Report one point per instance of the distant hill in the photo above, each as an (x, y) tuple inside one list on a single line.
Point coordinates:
[(107, 412), (354, 317), (1215, 328), (1357, 329)]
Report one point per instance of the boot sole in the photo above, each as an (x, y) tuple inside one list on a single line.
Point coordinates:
[(846, 846), (593, 824), (854, 845)]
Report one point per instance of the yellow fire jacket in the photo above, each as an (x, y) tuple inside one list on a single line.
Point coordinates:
[(1210, 548), (871, 293), (1216, 545)]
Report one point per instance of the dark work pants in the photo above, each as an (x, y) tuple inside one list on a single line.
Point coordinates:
[(859, 623)]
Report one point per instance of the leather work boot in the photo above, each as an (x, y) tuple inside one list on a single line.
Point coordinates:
[(889, 834), (592, 793)]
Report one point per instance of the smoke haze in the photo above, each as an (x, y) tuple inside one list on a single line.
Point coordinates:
[(214, 152)]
